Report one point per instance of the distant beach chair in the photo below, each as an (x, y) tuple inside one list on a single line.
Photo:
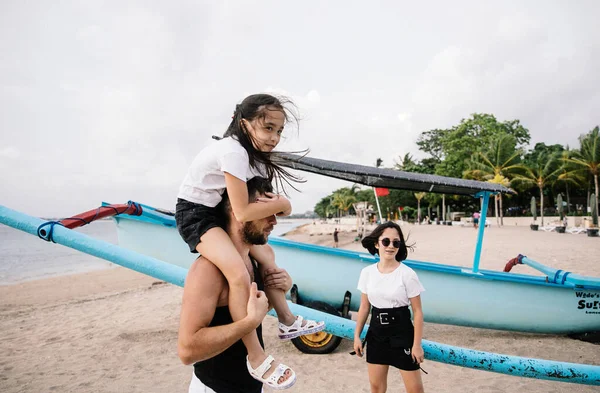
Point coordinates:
[(575, 230), (548, 228)]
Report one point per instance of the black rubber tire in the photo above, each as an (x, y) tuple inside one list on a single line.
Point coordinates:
[(590, 337), (319, 343)]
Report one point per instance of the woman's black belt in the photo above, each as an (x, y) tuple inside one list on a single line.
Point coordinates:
[(390, 316)]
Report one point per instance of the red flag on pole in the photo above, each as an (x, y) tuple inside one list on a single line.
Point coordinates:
[(381, 191)]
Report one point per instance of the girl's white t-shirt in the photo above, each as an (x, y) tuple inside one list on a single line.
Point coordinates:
[(389, 290), (204, 182)]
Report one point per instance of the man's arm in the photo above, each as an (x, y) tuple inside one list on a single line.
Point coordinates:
[(203, 287)]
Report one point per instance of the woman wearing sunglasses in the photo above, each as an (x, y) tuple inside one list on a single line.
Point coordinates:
[(389, 287)]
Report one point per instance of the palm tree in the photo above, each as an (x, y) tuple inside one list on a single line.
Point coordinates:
[(496, 165), (405, 163), (331, 208), (541, 174), (343, 198), (419, 196), (587, 159), (347, 202), (570, 174)]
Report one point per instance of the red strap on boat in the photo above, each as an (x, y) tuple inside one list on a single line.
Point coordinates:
[(131, 208), (515, 261)]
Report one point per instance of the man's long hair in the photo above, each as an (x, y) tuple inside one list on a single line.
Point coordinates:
[(256, 186)]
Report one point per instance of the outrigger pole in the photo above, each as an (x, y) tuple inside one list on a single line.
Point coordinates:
[(378, 207), (504, 364), (486, 198)]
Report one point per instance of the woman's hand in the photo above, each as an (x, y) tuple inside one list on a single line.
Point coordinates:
[(277, 279), (358, 347), (417, 354)]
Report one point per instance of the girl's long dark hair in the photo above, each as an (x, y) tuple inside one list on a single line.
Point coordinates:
[(257, 106), (372, 239)]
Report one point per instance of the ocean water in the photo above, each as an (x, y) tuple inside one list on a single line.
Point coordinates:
[(24, 257)]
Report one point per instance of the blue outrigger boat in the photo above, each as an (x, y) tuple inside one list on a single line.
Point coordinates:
[(557, 303), (560, 302)]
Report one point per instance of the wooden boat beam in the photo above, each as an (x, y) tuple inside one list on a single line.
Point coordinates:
[(390, 178)]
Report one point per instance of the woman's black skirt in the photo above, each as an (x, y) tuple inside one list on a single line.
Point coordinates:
[(390, 338)]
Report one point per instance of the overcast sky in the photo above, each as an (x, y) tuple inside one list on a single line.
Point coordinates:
[(111, 100)]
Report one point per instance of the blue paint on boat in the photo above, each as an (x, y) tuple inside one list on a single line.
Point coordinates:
[(455, 295), (557, 276)]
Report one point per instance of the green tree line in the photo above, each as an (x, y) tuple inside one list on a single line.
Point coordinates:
[(486, 149)]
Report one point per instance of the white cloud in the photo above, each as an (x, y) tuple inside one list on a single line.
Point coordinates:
[(10, 152), (111, 101), (404, 117), (313, 97)]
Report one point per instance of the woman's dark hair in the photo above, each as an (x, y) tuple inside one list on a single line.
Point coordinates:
[(253, 107), (372, 239)]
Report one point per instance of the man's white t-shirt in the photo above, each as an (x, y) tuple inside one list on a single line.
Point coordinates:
[(389, 290), (204, 182)]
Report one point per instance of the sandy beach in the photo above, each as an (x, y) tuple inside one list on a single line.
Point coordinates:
[(115, 330)]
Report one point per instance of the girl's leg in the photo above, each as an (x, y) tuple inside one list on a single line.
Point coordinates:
[(217, 247), (412, 381), (378, 377), (265, 257)]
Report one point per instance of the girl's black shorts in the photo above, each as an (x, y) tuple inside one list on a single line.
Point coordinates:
[(194, 220)]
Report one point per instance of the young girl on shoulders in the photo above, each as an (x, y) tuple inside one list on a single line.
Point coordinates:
[(244, 152)]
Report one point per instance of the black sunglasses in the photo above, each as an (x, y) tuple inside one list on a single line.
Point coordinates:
[(386, 242)]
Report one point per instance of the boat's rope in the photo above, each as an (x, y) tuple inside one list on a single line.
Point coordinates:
[(47, 235), (556, 275)]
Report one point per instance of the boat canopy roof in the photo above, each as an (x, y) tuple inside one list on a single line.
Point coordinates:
[(388, 178)]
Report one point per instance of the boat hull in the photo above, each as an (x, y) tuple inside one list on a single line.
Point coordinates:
[(453, 295)]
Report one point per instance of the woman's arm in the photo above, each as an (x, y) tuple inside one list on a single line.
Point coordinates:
[(363, 313), (417, 350), (245, 211)]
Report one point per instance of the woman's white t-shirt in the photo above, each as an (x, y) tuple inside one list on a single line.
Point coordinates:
[(389, 290), (204, 182)]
